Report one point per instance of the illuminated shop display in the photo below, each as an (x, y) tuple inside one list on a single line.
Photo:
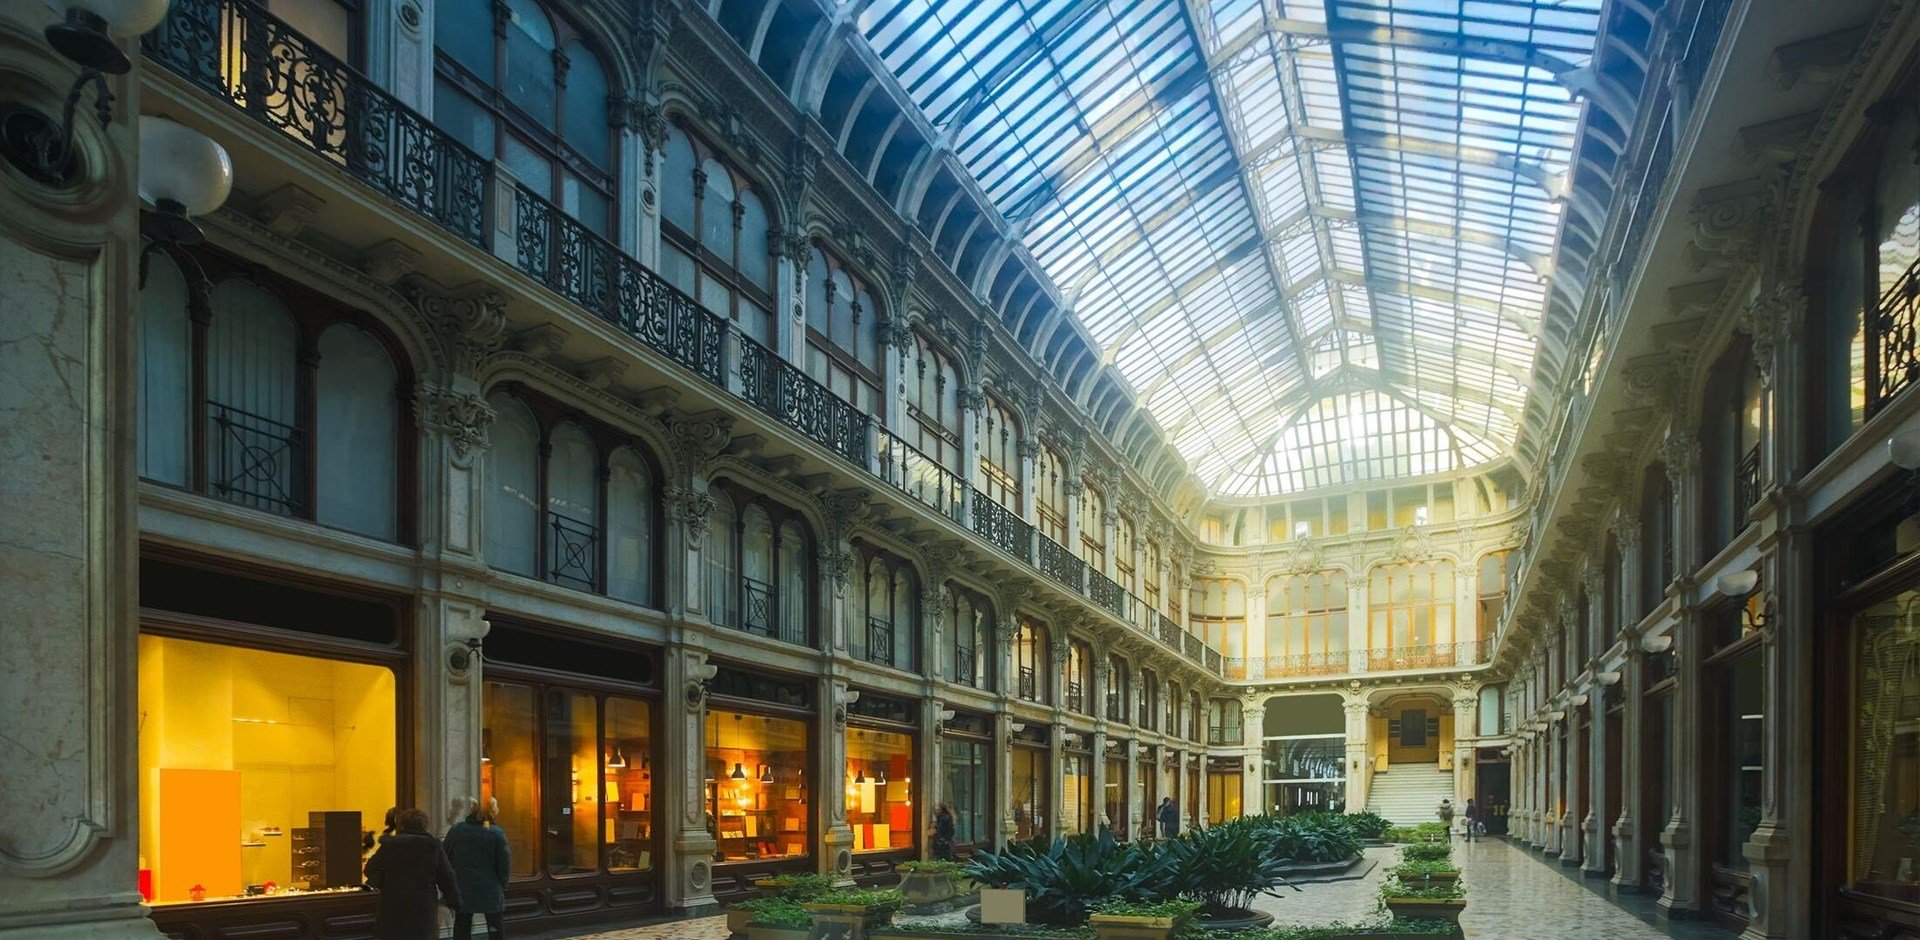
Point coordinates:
[(880, 790), (262, 774), (757, 786)]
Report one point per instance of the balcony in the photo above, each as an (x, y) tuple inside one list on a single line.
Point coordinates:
[(573, 552), (963, 666), (255, 461), (1028, 686), (919, 476), (1061, 565), (1746, 482), (1345, 662), (1109, 595), (1225, 735), (1893, 341)]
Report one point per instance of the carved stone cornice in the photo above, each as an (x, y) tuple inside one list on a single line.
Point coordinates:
[(1731, 225), (698, 438), (846, 510), (836, 565)]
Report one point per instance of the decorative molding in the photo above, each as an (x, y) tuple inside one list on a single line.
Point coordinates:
[(694, 510), (464, 416), (698, 438), (1731, 225)]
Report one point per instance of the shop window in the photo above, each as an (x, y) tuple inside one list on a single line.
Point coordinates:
[(1884, 783), (1000, 455), (1223, 796), (880, 790), (259, 351), (713, 243), (1030, 777), (1193, 798), (757, 790), (1076, 782), (844, 351), (525, 90), (967, 782), (262, 774), (587, 519), (886, 626), (1030, 663), (1115, 816), (572, 771), (759, 567)]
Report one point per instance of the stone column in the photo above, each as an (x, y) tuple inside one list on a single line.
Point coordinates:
[(830, 769), (1681, 454), (1359, 768), (689, 875), (1359, 637), (932, 790), (649, 139), (1550, 799), (1572, 786), (1003, 731), (1253, 793), (1629, 836), (973, 404), (399, 50), (1464, 709), (1466, 609), (1594, 826), (1056, 794), (1521, 800)]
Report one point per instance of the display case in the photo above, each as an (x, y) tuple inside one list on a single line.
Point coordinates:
[(326, 852)]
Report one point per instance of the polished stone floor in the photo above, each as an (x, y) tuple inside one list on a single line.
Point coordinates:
[(1511, 893)]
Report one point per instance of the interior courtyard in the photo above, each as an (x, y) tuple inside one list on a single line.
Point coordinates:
[(748, 438)]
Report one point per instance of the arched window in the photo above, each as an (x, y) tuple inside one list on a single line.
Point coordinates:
[(1000, 455), (1093, 528), (706, 248), (1124, 539), (843, 334), (1411, 607), (1176, 589), (970, 617), (1220, 615), (524, 89), (1491, 592), (587, 519), (1195, 716), (166, 374), (273, 397), (1119, 690), (889, 633), (357, 427), (1730, 427), (1079, 677), (1050, 494), (512, 522), (1030, 667), (933, 404), (759, 567), (630, 518), (1148, 707), (1307, 624), (1656, 537), (1150, 572)]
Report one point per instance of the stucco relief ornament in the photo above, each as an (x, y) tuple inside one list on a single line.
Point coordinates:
[(837, 564), (1772, 317), (464, 417), (472, 325), (695, 510), (696, 439), (1413, 544), (1303, 557)]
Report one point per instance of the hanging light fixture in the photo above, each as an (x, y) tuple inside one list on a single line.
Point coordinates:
[(616, 757), (860, 776), (766, 773), (738, 772), (882, 779)]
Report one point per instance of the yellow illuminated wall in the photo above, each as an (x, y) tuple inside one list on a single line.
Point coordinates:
[(303, 734)]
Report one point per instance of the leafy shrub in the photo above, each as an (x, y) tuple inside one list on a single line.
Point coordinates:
[(886, 898), (935, 867), (1313, 838), (1368, 825), (776, 912), (1227, 866), (1426, 852), (1066, 877), (1034, 931), (799, 886), (1416, 869), (1180, 911), (1381, 928), (1400, 890)]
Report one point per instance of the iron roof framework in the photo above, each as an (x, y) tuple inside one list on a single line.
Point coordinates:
[(1315, 237)]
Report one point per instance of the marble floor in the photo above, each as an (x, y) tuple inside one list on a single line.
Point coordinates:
[(1512, 893)]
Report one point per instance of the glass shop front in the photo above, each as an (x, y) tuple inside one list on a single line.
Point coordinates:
[(271, 743), (1031, 775), (760, 780), (881, 796), (568, 750), (966, 780)]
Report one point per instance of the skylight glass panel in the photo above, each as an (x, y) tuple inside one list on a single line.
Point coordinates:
[(1315, 249)]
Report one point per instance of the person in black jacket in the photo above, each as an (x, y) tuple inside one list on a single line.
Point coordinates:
[(482, 862), (1169, 818), (411, 873), (943, 832)]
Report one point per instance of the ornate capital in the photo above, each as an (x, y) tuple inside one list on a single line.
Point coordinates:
[(694, 510), (836, 564), (1680, 454), (1594, 580), (472, 324), (973, 400), (1773, 316), (698, 438), (464, 417), (797, 246)]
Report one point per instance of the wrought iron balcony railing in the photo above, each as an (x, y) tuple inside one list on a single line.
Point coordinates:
[(1893, 340), (1028, 686), (1076, 698), (879, 641), (1423, 656), (963, 666), (234, 49), (255, 461), (1109, 595), (1225, 735), (573, 552), (1746, 484), (1061, 565), (914, 473), (1114, 711), (1001, 528), (780, 389)]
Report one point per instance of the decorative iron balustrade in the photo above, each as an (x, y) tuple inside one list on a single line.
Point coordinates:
[(1212, 659), (236, 50), (553, 248), (1107, 593), (573, 552), (1076, 698), (778, 388), (1168, 631), (1028, 686), (914, 473), (1424, 656), (1114, 711), (1001, 527), (255, 461), (1059, 564), (759, 615), (1191, 645), (1227, 735), (879, 641), (1297, 664), (1893, 340), (1746, 484), (963, 666)]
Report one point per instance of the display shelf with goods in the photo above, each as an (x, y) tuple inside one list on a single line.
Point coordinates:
[(880, 790), (756, 788)]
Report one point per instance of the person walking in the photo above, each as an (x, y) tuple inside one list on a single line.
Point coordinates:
[(1169, 815), (943, 832), (481, 861), (1473, 819), (411, 873), (1446, 816)]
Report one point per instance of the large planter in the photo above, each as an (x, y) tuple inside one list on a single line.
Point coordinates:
[(1235, 920), (763, 932), (1438, 877), (847, 921), (925, 889), (1447, 909), (1125, 927), (738, 921)]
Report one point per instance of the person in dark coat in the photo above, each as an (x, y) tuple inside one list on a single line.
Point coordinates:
[(1169, 818), (943, 832), (411, 873), (482, 861)]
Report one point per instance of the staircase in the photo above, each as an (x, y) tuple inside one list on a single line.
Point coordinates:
[(1408, 794)]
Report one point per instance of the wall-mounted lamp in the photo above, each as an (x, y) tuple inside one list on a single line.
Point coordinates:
[(1737, 583), (1556, 715), (1578, 700), (34, 142), (1741, 585), (1657, 644), (183, 173), (1903, 450), (1608, 678)]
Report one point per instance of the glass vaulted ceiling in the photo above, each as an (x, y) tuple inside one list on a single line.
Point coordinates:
[(1313, 235)]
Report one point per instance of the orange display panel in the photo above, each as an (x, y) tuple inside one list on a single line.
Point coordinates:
[(199, 834)]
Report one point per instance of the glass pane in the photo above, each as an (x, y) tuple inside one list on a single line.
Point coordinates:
[(528, 165), (508, 769), (463, 29), (296, 756), (627, 812), (585, 117), (166, 343), (1886, 758), (1743, 704), (1114, 815), (513, 486), (757, 787), (327, 22), (570, 783), (880, 790), (460, 116), (530, 47), (356, 425), (1076, 777), (967, 780), (1030, 781)]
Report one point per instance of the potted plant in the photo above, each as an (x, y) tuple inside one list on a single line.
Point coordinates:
[(1141, 920), (1426, 902), (792, 887), (849, 914), (1225, 868), (1368, 826), (928, 883), (1419, 871), (1062, 879), (775, 919)]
